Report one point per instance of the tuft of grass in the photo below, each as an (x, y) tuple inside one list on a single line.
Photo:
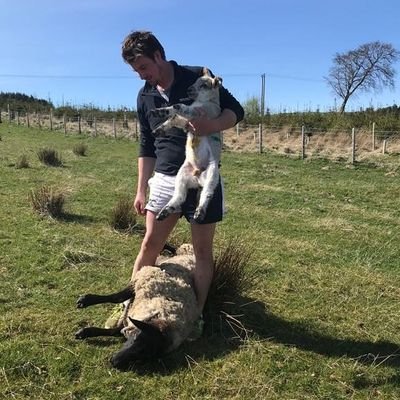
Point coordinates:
[(80, 149), (123, 217), (49, 157), (22, 162), (47, 202)]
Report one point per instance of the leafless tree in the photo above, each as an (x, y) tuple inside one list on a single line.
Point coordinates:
[(369, 67)]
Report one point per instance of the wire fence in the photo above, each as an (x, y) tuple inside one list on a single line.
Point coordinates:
[(92, 126), (303, 141)]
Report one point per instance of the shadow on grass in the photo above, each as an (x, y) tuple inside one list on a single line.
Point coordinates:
[(80, 219), (219, 341)]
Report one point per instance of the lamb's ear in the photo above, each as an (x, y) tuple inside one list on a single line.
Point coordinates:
[(217, 82), (206, 71), (144, 326)]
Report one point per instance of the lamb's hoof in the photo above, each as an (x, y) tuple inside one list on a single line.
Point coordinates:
[(199, 216), (84, 301), (164, 213), (81, 334), (158, 132)]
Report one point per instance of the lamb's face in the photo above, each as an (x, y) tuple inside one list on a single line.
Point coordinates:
[(147, 342), (205, 88)]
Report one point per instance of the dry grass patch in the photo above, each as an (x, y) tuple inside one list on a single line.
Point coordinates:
[(49, 157), (47, 202)]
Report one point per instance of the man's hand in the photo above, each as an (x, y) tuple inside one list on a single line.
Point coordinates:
[(140, 203)]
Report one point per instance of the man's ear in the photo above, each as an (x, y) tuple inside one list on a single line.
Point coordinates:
[(157, 56)]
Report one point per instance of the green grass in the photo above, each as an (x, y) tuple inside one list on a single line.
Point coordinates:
[(322, 320)]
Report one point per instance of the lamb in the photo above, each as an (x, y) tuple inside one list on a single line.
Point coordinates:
[(200, 168), (160, 314)]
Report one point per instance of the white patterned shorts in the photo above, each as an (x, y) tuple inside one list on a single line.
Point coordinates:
[(162, 188)]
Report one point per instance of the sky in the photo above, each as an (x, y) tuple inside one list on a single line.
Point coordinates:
[(69, 52)]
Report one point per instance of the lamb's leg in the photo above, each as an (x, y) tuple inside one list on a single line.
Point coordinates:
[(92, 299), (180, 193), (93, 331), (207, 192)]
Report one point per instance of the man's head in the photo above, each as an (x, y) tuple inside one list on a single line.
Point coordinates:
[(145, 54)]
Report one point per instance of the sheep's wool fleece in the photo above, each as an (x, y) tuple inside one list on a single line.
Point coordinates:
[(166, 292)]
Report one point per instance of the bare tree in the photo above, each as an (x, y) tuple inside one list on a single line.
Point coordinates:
[(369, 67)]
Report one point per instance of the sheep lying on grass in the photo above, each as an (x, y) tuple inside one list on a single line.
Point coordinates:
[(161, 312)]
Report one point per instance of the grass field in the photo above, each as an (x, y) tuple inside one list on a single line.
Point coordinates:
[(322, 320)]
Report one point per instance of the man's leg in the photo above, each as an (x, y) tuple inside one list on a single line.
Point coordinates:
[(156, 235), (202, 238)]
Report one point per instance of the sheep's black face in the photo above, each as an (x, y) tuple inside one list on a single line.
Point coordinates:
[(148, 343)]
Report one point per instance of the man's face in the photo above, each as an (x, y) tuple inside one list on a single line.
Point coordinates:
[(148, 69)]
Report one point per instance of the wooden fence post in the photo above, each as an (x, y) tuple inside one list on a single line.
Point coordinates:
[(27, 119), (237, 130), (17, 116), (65, 124), (9, 113), (95, 126), (114, 128), (384, 146), (51, 119), (79, 124), (303, 143), (373, 136), (353, 146), (260, 139), (38, 120)]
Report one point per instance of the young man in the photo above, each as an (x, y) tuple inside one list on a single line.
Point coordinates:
[(166, 83)]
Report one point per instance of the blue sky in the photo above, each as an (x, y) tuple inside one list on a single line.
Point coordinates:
[(69, 51)]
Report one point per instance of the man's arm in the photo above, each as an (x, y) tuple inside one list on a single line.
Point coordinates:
[(204, 126), (145, 170)]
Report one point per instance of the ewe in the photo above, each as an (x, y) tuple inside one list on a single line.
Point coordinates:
[(160, 314)]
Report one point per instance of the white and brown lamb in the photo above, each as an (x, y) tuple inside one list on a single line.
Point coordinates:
[(160, 313)]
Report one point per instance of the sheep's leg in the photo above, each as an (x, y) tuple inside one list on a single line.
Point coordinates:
[(182, 183), (207, 192), (92, 299), (93, 331)]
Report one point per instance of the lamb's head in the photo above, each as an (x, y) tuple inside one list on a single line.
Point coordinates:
[(206, 88), (148, 342)]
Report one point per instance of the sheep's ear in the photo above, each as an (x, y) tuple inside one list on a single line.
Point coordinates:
[(144, 326)]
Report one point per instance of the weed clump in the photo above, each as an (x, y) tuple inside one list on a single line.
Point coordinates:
[(80, 149), (22, 162), (123, 217), (49, 157), (46, 202)]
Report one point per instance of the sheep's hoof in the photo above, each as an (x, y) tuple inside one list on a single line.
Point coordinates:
[(84, 301), (81, 334)]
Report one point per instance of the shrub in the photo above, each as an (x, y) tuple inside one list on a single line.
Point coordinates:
[(49, 157), (80, 149), (47, 202), (123, 216), (22, 162)]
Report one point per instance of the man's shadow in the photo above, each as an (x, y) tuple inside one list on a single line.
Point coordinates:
[(225, 334)]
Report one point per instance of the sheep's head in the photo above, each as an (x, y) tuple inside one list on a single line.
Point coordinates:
[(147, 342)]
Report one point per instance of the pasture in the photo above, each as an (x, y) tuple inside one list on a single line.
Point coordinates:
[(321, 321)]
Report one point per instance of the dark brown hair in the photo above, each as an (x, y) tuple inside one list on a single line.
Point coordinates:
[(141, 43)]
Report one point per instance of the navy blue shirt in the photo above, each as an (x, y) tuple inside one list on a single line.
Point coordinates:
[(169, 150)]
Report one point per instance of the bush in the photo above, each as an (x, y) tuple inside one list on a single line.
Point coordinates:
[(49, 157), (47, 202), (80, 149)]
